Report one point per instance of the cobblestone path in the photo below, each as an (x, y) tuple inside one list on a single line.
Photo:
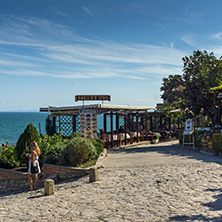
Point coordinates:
[(154, 183)]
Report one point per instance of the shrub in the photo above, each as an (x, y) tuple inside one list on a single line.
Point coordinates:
[(78, 151), (8, 157), (156, 137), (217, 142), (98, 145), (26, 138), (52, 147)]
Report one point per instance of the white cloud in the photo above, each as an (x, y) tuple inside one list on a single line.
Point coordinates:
[(217, 36), (88, 11), (58, 12), (77, 57), (190, 40)]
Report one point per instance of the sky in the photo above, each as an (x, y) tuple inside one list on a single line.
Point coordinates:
[(52, 50)]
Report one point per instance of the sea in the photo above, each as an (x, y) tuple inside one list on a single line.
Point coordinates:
[(13, 124)]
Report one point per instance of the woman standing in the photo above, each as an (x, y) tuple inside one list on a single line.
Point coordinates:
[(33, 160)]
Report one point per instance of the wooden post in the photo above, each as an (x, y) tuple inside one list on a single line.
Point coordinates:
[(54, 123), (104, 122), (59, 124), (111, 126), (128, 122), (117, 122), (137, 128), (151, 122), (74, 123), (146, 126), (125, 128)]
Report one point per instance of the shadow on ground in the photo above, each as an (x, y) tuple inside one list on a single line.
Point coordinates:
[(34, 192), (195, 218), (170, 150)]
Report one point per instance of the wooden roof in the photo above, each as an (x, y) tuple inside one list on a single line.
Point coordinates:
[(101, 108)]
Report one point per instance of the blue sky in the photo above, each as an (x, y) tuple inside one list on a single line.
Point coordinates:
[(52, 50)]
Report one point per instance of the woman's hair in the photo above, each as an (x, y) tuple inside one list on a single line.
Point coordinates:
[(35, 148)]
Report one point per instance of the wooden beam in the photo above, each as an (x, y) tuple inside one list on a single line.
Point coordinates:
[(111, 126), (74, 123), (117, 122), (137, 127), (146, 126), (151, 123), (104, 122)]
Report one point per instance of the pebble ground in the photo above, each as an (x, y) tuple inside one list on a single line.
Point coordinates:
[(154, 183)]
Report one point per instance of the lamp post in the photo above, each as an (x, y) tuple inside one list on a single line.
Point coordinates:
[(219, 97)]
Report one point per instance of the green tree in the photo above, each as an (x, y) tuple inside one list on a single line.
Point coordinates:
[(196, 90), (172, 88), (202, 71), (26, 138)]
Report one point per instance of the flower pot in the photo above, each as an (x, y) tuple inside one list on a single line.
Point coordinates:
[(155, 141), (210, 144), (204, 142)]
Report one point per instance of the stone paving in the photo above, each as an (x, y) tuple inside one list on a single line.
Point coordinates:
[(155, 183)]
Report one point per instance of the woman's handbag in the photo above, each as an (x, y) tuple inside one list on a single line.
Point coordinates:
[(34, 169)]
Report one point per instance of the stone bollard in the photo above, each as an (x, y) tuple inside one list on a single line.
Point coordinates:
[(49, 187), (93, 174)]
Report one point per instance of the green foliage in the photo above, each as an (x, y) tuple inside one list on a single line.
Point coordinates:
[(156, 137), (50, 127), (78, 151), (217, 142), (198, 87), (26, 138), (8, 157), (202, 71), (51, 148), (98, 145), (172, 88)]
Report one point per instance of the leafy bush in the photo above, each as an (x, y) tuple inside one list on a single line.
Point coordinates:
[(98, 145), (78, 151), (26, 138), (52, 148), (156, 137), (8, 157), (217, 142)]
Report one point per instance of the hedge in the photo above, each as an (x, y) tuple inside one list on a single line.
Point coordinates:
[(217, 142)]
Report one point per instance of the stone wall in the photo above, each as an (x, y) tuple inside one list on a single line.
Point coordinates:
[(11, 180), (63, 172)]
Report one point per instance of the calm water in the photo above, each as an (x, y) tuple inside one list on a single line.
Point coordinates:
[(13, 124)]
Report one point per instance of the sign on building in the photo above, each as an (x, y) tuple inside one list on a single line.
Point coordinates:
[(92, 97)]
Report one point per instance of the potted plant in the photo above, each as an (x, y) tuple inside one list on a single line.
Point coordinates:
[(204, 140), (155, 139), (210, 143)]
